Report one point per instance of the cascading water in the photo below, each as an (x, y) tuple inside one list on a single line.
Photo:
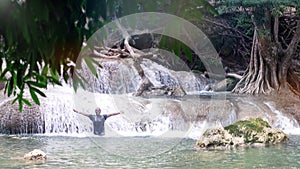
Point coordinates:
[(119, 77), (283, 122), (61, 120), (189, 115), (143, 116), (12, 122)]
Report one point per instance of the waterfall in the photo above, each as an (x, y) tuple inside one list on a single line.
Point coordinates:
[(160, 116), (145, 127), (166, 117), (61, 120), (59, 116), (120, 76), (287, 124), (12, 122)]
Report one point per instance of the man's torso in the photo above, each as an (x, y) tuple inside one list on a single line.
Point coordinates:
[(98, 123)]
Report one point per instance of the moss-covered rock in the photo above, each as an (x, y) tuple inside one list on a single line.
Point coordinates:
[(242, 133)]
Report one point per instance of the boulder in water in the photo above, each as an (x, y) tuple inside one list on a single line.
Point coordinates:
[(176, 91), (35, 155), (242, 133)]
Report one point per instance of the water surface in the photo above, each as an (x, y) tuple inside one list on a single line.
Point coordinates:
[(87, 152)]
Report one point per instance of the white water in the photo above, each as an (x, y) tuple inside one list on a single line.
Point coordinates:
[(61, 120), (142, 117), (288, 124)]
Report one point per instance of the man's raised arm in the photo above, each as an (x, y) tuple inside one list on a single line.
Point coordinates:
[(113, 114), (76, 111)]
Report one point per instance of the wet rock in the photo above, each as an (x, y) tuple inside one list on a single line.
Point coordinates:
[(227, 84), (231, 83), (176, 91), (35, 155), (251, 132)]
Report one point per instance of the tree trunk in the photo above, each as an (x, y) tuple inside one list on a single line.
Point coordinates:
[(269, 67), (260, 72)]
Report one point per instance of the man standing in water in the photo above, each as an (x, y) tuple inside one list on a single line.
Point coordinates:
[(98, 120)]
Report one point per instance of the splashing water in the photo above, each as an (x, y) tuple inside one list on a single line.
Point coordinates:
[(143, 117), (288, 125)]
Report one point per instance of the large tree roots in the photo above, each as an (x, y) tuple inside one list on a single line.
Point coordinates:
[(258, 76), (294, 83)]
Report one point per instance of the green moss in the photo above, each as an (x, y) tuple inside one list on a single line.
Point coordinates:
[(246, 127)]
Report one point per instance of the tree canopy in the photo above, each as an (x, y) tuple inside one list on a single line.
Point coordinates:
[(39, 39)]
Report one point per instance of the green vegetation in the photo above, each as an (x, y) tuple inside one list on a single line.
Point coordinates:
[(248, 129), (239, 127), (40, 39)]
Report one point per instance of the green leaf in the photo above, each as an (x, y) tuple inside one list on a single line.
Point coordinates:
[(26, 102), (34, 96), (10, 87), (78, 79), (188, 53), (37, 84), (25, 31), (19, 78), (45, 70), (53, 80), (75, 83), (14, 101), (96, 63), (54, 74), (38, 91), (20, 104), (89, 63), (4, 72)]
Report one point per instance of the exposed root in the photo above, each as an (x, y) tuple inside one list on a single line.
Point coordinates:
[(294, 83), (257, 76)]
